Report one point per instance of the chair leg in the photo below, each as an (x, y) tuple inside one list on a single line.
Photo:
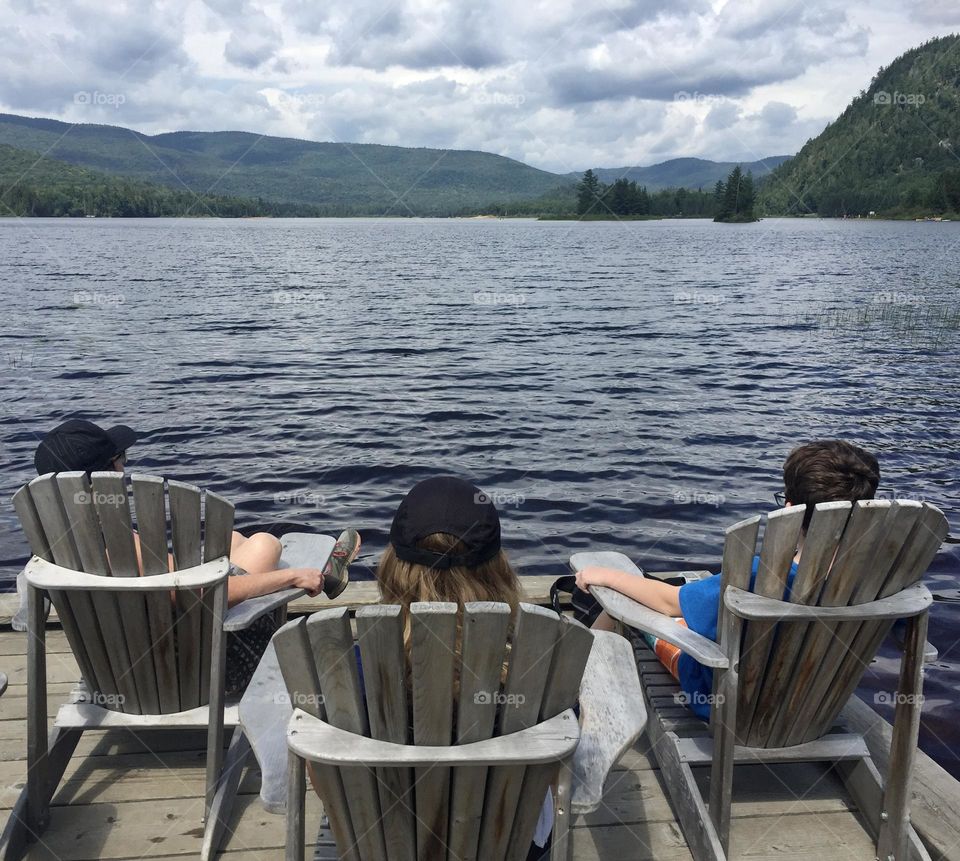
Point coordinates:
[(296, 800), (217, 673), (219, 816), (894, 835), (17, 834), (723, 721), (865, 785), (560, 846), (37, 811), (695, 820)]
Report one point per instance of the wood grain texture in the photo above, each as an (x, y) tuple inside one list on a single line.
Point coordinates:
[(534, 639), (151, 512), (380, 637), (331, 642), (433, 633), (636, 615), (185, 529), (483, 652), (113, 511)]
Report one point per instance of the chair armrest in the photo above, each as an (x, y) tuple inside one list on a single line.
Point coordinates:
[(612, 717), (244, 614), (909, 602), (317, 741), (264, 713), (45, 575), (701, 649)]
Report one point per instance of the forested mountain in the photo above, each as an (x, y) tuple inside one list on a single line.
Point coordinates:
[(894, 151), (35, 185), (336, 178)]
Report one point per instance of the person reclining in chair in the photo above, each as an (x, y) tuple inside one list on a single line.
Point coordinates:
[(821, 471), (79, 445)]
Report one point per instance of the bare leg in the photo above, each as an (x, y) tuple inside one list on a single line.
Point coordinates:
[(257, 554), (236, 542), (604, 622)]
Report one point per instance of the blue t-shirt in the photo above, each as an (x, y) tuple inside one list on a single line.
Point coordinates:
[(700, 608)]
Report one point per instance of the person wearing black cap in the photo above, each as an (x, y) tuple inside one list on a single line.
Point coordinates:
[(80, 445), (445, 546)]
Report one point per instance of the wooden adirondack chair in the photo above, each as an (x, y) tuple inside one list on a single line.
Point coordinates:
[(783, 670), (150, 648), (467, 776)]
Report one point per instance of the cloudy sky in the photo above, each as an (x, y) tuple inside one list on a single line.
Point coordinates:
[(560, 84)]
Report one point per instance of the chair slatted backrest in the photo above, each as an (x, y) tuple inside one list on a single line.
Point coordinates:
[(471, 676), (138, 653), (795, 676)]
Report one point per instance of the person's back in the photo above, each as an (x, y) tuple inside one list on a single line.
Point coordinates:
[(445, 546), (821, 471), (78, 445)]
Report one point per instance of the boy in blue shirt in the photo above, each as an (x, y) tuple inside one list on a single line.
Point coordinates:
[(822, 471)]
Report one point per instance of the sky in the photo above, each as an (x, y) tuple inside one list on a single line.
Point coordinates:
[(560, 84)]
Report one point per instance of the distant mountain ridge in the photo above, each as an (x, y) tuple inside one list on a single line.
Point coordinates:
[(341, 179), (692, 173), (334, 178)]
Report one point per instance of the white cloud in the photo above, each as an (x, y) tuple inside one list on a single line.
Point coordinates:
[(561, 84)]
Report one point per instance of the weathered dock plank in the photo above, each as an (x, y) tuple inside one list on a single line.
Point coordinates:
[(141, 796), (935, 804)]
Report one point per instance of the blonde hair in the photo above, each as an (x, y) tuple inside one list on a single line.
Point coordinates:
[(404, 583)]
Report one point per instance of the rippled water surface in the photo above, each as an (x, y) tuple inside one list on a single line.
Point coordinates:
[(633, 386)]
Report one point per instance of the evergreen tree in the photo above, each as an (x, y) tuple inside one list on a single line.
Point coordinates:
[(588, 193), (732, 197), (735, 197), (719, 199), (745, 206)]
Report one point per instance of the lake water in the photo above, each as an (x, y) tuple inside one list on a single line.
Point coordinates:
[(630, 386)]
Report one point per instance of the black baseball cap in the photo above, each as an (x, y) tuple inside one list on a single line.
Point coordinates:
[(79, 445), (452, 506)]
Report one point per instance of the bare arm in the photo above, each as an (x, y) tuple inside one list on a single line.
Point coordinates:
[(658, 596), (240, 588)]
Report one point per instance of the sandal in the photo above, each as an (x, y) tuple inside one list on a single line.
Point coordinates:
[(336, 573)]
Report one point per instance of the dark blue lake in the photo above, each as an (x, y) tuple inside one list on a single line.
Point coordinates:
[(629, 386)]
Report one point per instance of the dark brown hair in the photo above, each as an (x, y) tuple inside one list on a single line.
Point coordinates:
[(829, 470)]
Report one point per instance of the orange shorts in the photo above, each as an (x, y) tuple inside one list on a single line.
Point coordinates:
[(667, 653)]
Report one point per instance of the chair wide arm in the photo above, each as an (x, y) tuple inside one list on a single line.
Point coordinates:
[(911, 601), (702, 649), (244, 614), (318, 741), (45, 575)]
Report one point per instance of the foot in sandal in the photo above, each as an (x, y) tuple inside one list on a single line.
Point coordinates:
[(336, 574)]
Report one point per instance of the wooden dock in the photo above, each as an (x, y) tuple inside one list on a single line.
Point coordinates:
[(141, 796)]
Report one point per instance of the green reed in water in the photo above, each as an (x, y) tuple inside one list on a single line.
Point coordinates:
[(914, 323)]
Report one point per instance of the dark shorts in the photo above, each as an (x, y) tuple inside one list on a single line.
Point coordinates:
[(244, 650)]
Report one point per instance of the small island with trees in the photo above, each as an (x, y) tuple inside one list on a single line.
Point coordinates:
[(625, 200), (734, 198)]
